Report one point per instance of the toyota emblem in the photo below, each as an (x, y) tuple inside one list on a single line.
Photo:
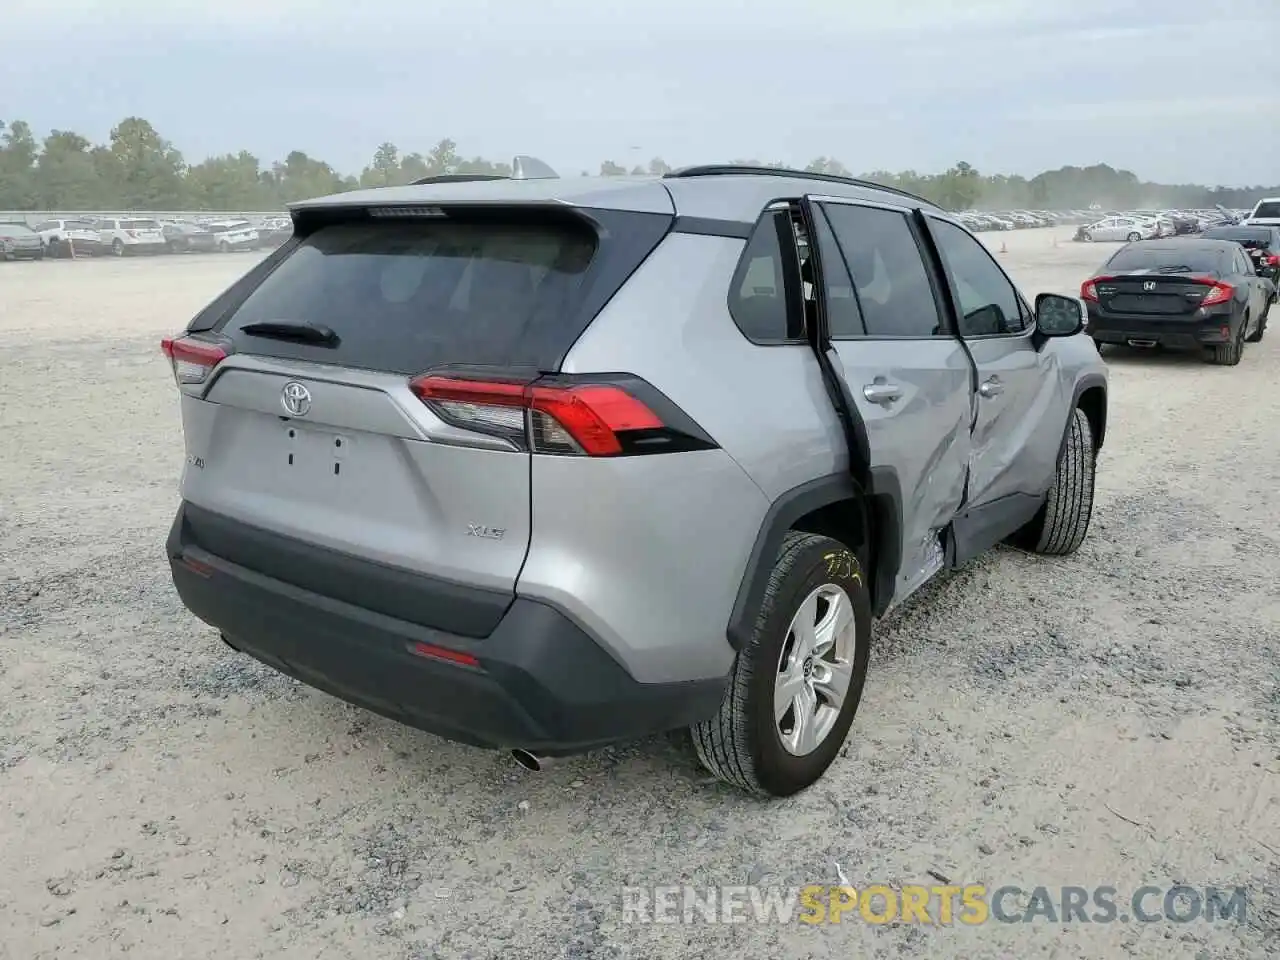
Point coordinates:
[(295, 398)]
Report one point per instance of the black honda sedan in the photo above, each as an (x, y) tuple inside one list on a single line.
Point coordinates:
[(1188, 294)]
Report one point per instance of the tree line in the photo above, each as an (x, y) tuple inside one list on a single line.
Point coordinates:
[(138, 169)]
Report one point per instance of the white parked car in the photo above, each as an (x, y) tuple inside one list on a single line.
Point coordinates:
[(1120, 228), (233, 235), (126, 235), (1163, 225), (62, 238), (1265, 214)]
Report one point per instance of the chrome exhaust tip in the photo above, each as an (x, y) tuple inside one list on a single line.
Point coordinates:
[(1141, 343), (531, 761)]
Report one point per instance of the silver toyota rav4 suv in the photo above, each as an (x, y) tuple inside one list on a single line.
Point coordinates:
[(547, 464)]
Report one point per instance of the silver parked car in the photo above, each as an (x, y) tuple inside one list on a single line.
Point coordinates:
[(548, 464), (19, 242), (1130, 229)]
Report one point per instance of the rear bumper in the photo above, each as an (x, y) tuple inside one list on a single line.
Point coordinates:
[(541, 684), (1175, 333)]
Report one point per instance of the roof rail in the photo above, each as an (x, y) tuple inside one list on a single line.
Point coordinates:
[(457, 178), (736, 170)]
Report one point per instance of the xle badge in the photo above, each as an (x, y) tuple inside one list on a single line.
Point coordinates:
[(488, 533)]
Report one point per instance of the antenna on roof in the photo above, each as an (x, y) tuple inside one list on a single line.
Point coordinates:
[(531, 168)]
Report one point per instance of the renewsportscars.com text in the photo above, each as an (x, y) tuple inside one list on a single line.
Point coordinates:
[(944, 905)]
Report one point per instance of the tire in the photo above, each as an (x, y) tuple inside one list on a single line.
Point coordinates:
[(1229, 354), (1262, 324), (1088, 237), (1059, 527), (224, 247), (172, 247), (1134, 237), (745, 743), (117, 247)]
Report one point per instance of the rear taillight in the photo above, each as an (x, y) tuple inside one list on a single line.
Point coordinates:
[(1089, 289), (580, 419), (1273, 260), (192, 360), (1218, 293)]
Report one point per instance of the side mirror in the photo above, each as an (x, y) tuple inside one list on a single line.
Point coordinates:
[(1059, 316)]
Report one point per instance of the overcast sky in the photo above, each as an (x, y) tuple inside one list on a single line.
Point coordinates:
[(1175, 90)]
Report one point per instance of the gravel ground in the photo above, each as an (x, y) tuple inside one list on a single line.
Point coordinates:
[(1113, 718)]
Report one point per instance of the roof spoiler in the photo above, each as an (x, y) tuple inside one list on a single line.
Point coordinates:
[(522, 168)]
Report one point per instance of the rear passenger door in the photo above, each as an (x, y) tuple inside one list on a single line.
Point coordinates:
[(1017, 428), (909, 376)]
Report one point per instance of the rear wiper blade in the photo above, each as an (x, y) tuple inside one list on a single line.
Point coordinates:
[(302, 331)]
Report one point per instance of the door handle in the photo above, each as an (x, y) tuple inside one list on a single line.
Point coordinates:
[(991, 388), (881, 392)]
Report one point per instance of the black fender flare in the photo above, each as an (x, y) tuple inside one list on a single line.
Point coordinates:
[(880, 502), (1086, 382)]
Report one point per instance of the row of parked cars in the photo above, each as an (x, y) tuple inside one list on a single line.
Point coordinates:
[(979, 221), (123, 236), (1097, 225), (1154, 225)]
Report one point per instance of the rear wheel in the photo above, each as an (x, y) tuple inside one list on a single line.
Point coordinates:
[(117, 247), (1262, 323), (1088, 236), (224, 247), (1229, 354), (1134, 237), (796, 685), (1060, 525)]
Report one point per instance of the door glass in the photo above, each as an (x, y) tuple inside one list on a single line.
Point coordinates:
[(890, 278), (988, 303), (844, 316)]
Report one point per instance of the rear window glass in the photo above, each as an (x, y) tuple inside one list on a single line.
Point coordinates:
[(16, 229), (1248, 236), (1269, 209), (139, 225), (406, 296), (1189, 259)]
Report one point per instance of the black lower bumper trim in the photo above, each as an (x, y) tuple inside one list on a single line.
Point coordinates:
[(1178, 334), (542, 683)]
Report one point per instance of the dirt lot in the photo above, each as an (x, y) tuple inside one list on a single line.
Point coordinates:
[(1112, 719)]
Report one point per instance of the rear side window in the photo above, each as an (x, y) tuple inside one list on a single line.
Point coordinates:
[(757, 292), (410, 295), (139, 225), (884, 261), (1269, 209)]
